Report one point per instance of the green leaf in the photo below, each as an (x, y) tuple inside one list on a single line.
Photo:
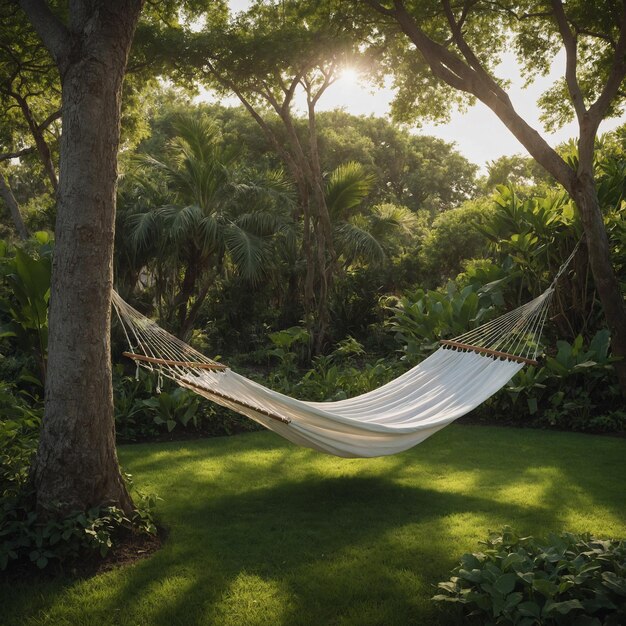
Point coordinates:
[(474, 576), (614, 582), (529, 609), (544, 587), (42, 561), (561, 607), (505, 583)]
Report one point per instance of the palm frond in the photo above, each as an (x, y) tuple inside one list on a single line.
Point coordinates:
[(347, 187), (142, 230), (247, 252), (353, 241)]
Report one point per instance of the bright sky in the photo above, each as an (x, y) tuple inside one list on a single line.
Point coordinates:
[(477, 133)]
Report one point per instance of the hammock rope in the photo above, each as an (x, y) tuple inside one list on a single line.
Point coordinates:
[(464, 372)]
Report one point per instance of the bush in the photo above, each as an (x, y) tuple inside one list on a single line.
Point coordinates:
[(420, 319), (577, 580), (576, 388), (27, 536)]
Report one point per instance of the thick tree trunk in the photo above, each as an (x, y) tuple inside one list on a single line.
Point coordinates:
[(9, 199), (607, 285), (76, 463)]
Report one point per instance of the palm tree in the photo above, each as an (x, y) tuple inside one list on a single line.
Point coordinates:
[(200, 212), (363, 234)]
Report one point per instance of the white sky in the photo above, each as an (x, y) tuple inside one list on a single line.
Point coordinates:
[(477, 133)]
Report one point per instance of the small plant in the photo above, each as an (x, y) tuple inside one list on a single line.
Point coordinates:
[(28, 537), (142, 413), (568, 579)]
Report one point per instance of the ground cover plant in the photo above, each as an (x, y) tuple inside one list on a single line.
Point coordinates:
[(263, 532)]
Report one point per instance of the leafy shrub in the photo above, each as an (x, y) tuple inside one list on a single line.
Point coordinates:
[(568, 579), (143, 414), (420, 319), (452, 239), (26, 536), (575, 388), (19, 432)]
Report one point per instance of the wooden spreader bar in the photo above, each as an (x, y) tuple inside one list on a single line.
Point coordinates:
[(274, 416), (197, 365), (489, 351)]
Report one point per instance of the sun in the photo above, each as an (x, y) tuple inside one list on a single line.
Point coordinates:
[(349, 75)]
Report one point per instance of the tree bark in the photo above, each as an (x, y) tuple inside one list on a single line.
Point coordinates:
[(604, 278), (76, 465), (9, 199)]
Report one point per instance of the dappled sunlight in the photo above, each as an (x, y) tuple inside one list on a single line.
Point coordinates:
[(261, 531), (250, 599)]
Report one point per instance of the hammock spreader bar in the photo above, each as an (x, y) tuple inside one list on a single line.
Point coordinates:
[(504, 355)]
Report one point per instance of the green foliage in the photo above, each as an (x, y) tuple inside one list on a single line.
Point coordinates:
[(566, 579), (20, 421), (537, 234), (422, 318), (452, 239), (575, 388), (344, 373), (26, 536), (143, 413), (24, 308)]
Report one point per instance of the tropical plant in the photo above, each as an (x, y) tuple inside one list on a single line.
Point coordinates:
[(213, 214), (25, 306), (575, 388), (564, 579), (422, 318), (361, 233)]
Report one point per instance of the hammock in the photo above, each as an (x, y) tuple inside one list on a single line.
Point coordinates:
[(455, 379)]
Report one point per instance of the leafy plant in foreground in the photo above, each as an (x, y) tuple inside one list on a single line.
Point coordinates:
[(577, 580)]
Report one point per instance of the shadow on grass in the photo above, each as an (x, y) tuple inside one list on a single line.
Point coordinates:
[(359, 548), (262, 532)]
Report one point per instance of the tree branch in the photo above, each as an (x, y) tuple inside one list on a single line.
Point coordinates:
[(459, 75), (468, 53), (5, 156), (571, 54), (598, 109), (50, 29), (51, 118)]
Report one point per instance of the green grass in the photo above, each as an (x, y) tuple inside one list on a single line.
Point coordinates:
[(263, 532)]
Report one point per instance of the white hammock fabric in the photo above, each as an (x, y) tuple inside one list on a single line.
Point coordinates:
[(458, 377)]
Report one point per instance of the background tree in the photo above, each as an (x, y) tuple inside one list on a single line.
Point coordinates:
[(446, 53), (265, 57)]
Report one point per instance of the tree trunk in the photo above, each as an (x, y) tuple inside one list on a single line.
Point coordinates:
[(9, 199), (607, 285), (76, 464)]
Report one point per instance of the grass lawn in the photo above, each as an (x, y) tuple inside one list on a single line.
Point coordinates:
[(263, 532)]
